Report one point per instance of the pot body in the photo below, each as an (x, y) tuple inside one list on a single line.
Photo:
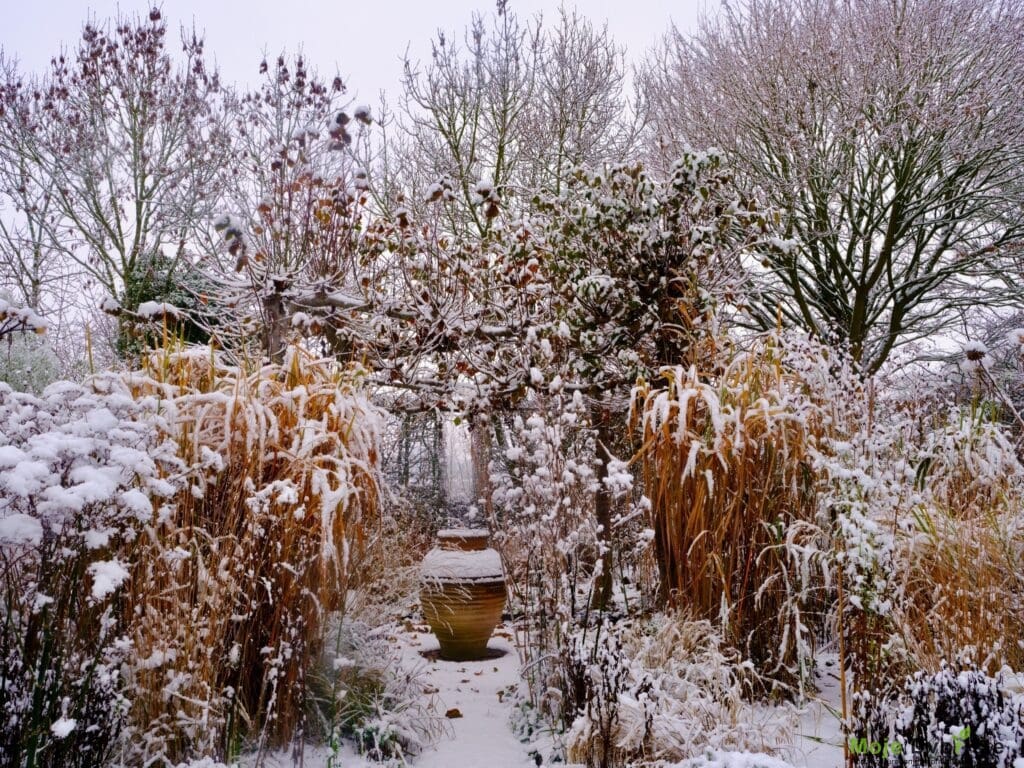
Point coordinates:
[(462, 592)]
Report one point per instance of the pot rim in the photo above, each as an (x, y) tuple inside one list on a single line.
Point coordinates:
[(427, 581), (463, 533)]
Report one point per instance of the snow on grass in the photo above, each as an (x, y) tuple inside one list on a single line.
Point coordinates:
[(63, 727), (107, 576)]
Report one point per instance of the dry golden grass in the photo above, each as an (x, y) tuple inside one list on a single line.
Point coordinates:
[(726, 466), (962, 588), (233, 583), (954, 583), (386, 584)]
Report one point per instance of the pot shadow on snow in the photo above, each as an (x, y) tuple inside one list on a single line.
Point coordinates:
[(434, 655)]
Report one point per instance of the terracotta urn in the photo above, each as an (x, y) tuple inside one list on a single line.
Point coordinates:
[(462, 591)]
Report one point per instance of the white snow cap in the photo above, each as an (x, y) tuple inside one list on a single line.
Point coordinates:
[(20, 529), (110, 304), (463, 533), (23, 316), (484, 190), (975, 350), (61, 728), (151, 309), (107, 576), (453, 565)]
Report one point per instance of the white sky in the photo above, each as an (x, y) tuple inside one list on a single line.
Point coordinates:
[(363, 41)]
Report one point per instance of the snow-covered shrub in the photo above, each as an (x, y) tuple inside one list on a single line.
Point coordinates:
[(602, 679), (957, 716), (28, 363), (729, 471), (364, 692), (548, 537), (666, 689), (232, 586), (81, 477)]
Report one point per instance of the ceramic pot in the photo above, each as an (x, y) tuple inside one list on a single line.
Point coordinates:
[(462, 592)]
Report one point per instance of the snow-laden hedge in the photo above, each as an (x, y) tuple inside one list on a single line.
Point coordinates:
[(171, 541), (82, 471)]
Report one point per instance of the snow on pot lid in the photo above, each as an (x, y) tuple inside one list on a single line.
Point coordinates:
[(463, 555)]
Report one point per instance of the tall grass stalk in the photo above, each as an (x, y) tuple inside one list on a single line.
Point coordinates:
[(727, 468), (231, 591)]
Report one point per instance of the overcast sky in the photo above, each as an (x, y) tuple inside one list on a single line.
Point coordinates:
[(364, 41)]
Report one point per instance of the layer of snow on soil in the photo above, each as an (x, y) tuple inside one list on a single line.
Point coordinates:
[(819, 743), (734, 760), (456, 565), (481, 691), (478, 696)]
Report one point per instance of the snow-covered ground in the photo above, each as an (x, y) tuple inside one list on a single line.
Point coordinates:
[(482, 693), (479, 699), (819, 744), (476, 696)]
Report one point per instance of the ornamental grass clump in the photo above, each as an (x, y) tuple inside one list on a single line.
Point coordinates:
[(231, 588), (727, 467), (959, 584)]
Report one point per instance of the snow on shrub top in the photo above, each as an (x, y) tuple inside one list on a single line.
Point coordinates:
[(14, 318), (86, 458), (155, 309)]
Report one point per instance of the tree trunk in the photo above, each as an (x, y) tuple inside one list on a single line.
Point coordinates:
[(601, 419), (480, 454), (274, 333)]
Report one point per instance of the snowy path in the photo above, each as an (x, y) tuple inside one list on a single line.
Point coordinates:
[(478, 690), (819, 741)]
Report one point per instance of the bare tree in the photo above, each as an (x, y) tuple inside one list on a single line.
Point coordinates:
[(111, 160), (293, 202), (515, 109), (462, 114), (579, 115), (30, 270), (890, 133)]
